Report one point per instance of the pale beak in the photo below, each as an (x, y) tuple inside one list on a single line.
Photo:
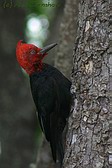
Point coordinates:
[(47, 48)]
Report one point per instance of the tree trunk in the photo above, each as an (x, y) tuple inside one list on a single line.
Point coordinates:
[(87, 144), (68, 29)]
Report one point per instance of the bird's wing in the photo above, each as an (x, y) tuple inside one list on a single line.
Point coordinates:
[(50, 94), (48, 111), (47, 103)]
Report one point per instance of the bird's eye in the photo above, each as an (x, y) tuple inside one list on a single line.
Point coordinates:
[(32, 52)]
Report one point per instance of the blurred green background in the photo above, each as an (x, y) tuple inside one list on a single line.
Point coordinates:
[(37, 22)]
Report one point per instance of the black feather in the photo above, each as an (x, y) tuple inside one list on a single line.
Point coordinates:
[(51, 94)]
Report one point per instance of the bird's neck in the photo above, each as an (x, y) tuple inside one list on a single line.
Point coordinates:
[(35, 68)]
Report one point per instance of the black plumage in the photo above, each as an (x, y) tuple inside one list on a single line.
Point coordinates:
[(51, 94)]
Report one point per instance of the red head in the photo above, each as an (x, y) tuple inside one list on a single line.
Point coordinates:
[(30, 57)]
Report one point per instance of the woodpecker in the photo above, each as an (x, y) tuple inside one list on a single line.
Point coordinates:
[(50, 91)]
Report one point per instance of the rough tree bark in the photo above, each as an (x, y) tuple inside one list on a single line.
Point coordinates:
[(88, 144)]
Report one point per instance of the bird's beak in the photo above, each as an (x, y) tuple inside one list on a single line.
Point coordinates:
[(47, 48)]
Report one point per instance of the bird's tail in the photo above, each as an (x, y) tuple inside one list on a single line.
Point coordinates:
[(57, 150), (53, 148), (60, 150), (56, 142), (60, 140)]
